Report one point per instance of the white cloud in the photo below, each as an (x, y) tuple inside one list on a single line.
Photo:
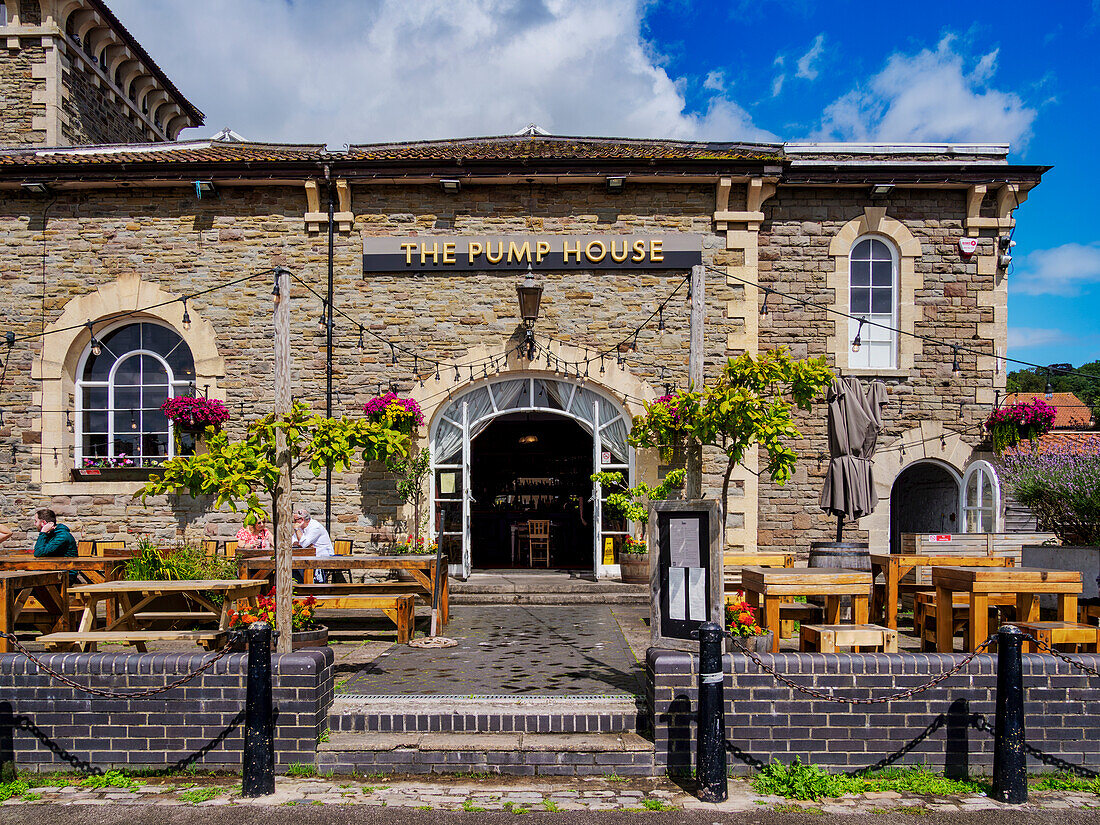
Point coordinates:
[(1062, 270), (1024, 337), (806, 68), (777, 81), (353, 71), (929, 96), (715, 81)]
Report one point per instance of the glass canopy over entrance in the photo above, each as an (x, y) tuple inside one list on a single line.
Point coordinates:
[(469, 415)]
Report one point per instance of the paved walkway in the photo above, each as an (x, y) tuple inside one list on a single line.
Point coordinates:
[(513, 650)]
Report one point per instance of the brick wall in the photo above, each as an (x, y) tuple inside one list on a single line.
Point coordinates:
[(945, 725), (50, 726)]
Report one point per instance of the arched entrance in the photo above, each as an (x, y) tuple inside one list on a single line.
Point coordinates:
[(484, 491), (924, 499)]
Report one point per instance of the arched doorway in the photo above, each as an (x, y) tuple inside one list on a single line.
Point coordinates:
[(478, 470), (924, 499)]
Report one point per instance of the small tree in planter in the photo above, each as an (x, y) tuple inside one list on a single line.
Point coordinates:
[(751, 402), (633, 504), (1008, 426)]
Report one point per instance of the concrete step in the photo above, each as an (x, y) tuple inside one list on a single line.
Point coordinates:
[(543, 587), (487, 714), (520, 754)]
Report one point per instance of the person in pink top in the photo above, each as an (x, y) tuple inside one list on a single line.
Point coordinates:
[(254, 537)]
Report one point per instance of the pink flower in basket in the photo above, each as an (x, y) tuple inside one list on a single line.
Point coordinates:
[(402, 413), (191, 413)]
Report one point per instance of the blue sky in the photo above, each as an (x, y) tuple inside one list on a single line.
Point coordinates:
[(355, 71)]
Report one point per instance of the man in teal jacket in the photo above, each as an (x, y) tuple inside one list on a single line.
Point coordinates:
[(53, 539)]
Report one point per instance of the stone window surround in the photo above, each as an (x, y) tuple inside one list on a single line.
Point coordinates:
[(909, 282), (63, 344)]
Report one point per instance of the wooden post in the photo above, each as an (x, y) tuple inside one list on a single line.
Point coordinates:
[(284, 585), (693, 486)]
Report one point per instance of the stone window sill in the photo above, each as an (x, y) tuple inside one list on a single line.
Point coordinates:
[(876, 373)]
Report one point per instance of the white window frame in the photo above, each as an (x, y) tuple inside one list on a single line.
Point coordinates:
[(978, 468), (873, 337), (174, 387)]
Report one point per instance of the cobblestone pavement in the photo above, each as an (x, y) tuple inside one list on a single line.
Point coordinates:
[(516, 796), (512, 650)]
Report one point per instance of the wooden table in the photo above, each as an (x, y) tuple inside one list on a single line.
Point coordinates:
[(94, 569), (894, 566), (134, 596), (49, 588), (420, 567), (979, 582), (767, 587)]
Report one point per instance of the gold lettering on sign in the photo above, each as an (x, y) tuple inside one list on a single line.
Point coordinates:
[(566, 251), (588, 253), (656, 251), (409, 249), (616, 257), (542, 249), (489, 252), (448, 252), (519, 253), (639, 252), (425, 251), (475, 250)]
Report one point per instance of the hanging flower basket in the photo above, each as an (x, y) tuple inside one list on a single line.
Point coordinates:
[(194, 414), (1010, 425), (401, 414)]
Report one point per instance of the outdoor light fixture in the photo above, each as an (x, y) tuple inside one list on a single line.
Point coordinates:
[(1049, 387), (96, 348), (450, 185), (37, 187), (616, 184), (764, 305), (529, 439), (186, 317), (955, 362), (205, 187), (1005, 243), (529, 294), (857, 341), (881, 190)]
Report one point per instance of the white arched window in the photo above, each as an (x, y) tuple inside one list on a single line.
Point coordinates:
[(981, 498), (872, 301), (119, 393)]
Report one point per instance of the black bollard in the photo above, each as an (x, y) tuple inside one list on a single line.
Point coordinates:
[(259, 726), (1009, 759), (710, 755)]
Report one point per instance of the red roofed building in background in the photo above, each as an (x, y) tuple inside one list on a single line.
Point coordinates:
[(1072, 412)]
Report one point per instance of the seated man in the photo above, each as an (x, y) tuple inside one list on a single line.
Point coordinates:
[(311, 534), (53, 539)]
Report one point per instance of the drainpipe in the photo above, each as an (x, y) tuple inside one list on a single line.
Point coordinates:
[(328, 348)]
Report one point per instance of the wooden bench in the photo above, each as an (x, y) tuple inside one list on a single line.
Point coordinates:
[(171, 617), (826, 638), (1088, 612), (924, 614), (209, 639), (1053, 634), (398, 601)]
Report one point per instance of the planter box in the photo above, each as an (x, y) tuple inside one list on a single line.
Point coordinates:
[(1085, 560), (634, 568), (116, 473)]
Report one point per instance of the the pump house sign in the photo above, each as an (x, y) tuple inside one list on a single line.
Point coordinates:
[(479, 253)]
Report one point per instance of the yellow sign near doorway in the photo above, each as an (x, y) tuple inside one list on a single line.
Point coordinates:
[(608, 550)]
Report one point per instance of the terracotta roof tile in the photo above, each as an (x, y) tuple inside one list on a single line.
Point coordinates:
[(165, 153), (555, 147), (1061, 442), (1071, 413)]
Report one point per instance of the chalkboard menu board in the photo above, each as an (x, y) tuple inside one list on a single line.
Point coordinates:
[(686, 577)]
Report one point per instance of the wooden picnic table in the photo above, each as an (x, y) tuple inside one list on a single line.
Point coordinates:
[(893, 567), (134, 597), (767, 587), (420, 567), (95, 569), (979, 582), (50, 590)]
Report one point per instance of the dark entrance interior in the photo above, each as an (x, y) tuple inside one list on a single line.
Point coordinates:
[(924, 499), (524, 467)]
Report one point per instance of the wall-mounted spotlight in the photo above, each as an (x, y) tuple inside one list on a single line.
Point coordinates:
[(616, 184), (37, 187), (881, 190), (205, 188), (451, 185)]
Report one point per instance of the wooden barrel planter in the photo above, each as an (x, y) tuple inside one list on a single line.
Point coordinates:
[(315, 637), (634, 568), (843, 555)]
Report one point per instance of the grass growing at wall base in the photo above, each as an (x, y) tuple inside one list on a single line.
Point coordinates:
[(804, 781)]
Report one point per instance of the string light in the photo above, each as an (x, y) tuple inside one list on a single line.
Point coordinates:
[(186, 316), (360, 337), (96, 348), (857, 340), (764, 306), (661, 318), (955, 362)]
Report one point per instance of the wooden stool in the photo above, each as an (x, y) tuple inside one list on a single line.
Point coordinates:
[(924, 614), (801, 612), (1060, 633), (1088, 612), (825, 638)]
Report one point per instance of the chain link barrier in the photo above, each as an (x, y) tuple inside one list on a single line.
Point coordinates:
[(905, 694), (114, 694)]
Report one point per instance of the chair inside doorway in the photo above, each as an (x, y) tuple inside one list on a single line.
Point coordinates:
[(530, 475)]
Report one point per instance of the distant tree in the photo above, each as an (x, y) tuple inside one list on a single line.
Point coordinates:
[(1062, 378)]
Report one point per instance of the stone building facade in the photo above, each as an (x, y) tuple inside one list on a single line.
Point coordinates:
[(781, 222), (71, 74)]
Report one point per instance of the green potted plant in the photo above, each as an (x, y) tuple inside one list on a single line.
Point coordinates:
[(741, 622), (633, 504)]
